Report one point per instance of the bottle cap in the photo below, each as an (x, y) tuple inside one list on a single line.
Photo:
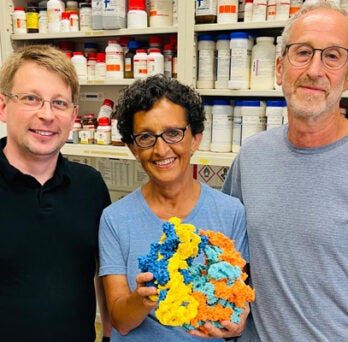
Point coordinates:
[(65, 15), (136, 5), (101, 57), (108, 102), (103, 121)]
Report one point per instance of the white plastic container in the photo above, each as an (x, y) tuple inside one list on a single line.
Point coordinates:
[(248, 11), (240, 47), (206, 140), (74, 22), (271, 10), (227, 11), (85, 17), (140, 63), (97, 14), (155, 62), (136, 15), (80, 64), (114, 60), (206, 61), (91, 63), (274, 113), (253, 118), (237, 126), (55, 8), (65, 22), (103, 132), (259, 11), (222, 61), (277, 55), (221, 136), (114, 14), (106, 109), (100, 67), (283, 10), (43, 23), (262, 64), (19, 21), (161, 13)]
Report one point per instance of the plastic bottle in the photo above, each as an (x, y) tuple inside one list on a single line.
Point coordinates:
[(103, 132), (206, 61), (65, 22), (140, 63), (115, 134), (168, 54), (155, 42), (206, 11), (89, 125), (106, 109), (237, 126), (85, 17), (100, 67), (80, 64), (240, 60), (55, 8), (248, 11), (19, 20), (227, 11), (277, 55), (155, 62), (74, 133), (262, 64), (206, 140), (89, 47), (222, 60), (128, 59), (32, 17), (43, 24), (271, 10), (274, 113), (97, 14), (253, 118), (91, 63), (283, 10), (114, 60), (259, 11), (161, 13), (114, 14), (221, 136), (74, 22), (136, 15)]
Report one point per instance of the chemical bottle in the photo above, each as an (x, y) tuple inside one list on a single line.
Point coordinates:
[(227, 11), (237, 126), (114, 14), (80, 64), (128, 59), (85, 17), (136, 15), (106, 109), (253, 118), (19, 20), (114, 60), (65, 22), (161, 13), (259, 11), (221, 136), (74, 132), (74, 22), (248, 11), (103, 132), (206, 140), (283, 10), (206, 61), (262, 64), (32, 17), (89, 125), (55, 8), (206, 11), (91, 63), (43, 28), (100, 67), (168, 54), (271, 10), (222, 60), (274, 113), (155, 62), (240, 60), (116, 138), (97, 14), (140, 63)]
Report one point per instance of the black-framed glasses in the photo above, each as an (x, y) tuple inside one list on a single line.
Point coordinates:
[(35, 102), (301, 54), (169, 136)]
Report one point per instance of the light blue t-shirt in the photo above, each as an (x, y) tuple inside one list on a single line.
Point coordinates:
[(296, 202), (127, 229)]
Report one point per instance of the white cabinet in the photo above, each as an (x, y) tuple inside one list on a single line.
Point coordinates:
[(186, 31)]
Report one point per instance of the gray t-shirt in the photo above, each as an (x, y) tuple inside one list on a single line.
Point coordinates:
[(127, 229), (296, 202)]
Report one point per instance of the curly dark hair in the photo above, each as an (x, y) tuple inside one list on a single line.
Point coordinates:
[(144, 93)]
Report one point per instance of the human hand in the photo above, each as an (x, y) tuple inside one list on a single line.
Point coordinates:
[(145, 292)]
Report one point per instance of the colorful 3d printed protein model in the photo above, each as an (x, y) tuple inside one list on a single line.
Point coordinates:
[(189, 293)]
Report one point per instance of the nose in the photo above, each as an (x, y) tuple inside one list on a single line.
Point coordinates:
[(160, 146), (45, 112), (316, 66)]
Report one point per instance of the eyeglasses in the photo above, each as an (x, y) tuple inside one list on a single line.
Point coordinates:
[(300, 55), (34, 102), (170, 136)]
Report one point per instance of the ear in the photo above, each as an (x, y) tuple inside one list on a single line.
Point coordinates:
[(345, 85), (74, 115), (3, 108), (196, 141), (134, 150), (278, 71)]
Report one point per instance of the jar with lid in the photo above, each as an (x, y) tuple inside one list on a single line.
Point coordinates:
[(74, 21), (89, 125), (80, 63), (253, 118), (237, 126), (55, 8), (140, 63), (91, 63), (206, 61), (43, 24), (106, 109), (128, 59), (136, 15), (32, 17), (19, 20), (114, 60), (259, 11), (65, 22), (206, 139), (161, 13), (100, 67), (274, 113), (262, 64), (85, 17), (227, 11), (74, 132), (155, 62), (248, 11), (222, 60), (206, 11), (168, 54), (103, 132)]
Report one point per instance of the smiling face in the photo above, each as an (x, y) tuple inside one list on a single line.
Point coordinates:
[(164, 163), (313, 91), (38, 133)]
